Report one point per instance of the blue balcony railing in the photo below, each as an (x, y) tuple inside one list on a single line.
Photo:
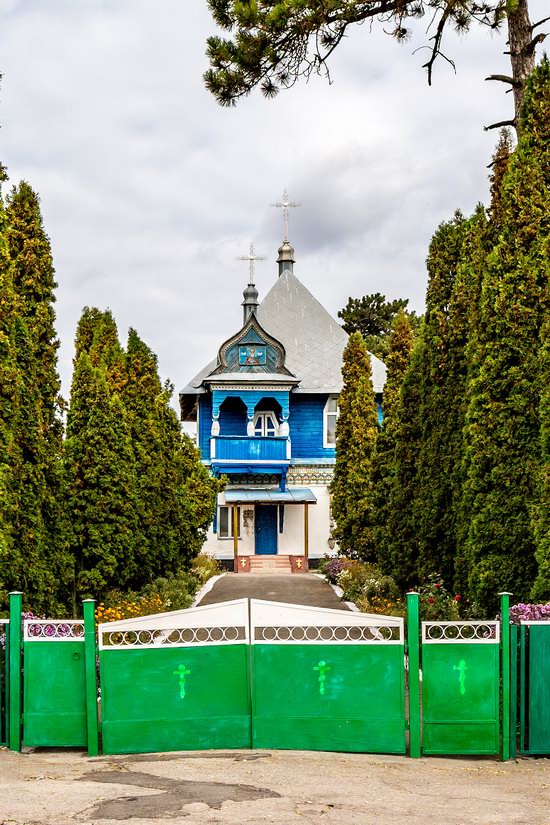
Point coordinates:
[(237, 449)]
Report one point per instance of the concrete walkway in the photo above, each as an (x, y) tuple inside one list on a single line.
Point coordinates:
[(301, 588), (264, 787)]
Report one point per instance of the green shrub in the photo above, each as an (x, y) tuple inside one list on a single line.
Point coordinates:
[(436, 603), (162, 594)]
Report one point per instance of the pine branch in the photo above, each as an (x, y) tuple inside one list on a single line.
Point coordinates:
[(504, 78), (499, 124)]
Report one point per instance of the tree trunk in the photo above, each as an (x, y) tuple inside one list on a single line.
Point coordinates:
[(522, 50)]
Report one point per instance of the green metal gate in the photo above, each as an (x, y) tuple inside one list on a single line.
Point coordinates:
[(326, 679), (54, 695), (535, 688), (4, 659), (460, 687), (176, 681)]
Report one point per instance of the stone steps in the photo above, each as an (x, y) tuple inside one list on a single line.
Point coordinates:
[(278, 565)]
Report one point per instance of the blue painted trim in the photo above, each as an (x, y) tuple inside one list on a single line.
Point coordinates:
[(251, 398), (281, 518), (243, 469)]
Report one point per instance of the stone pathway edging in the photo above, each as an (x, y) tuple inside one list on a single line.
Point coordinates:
[(206, 588), (339, 592)]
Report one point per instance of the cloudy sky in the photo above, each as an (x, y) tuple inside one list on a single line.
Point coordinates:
[(150, 190)]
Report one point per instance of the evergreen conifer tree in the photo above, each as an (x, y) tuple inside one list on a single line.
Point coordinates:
[(356, 431), (175, 495), (503, 428), (443, 378), (400, 344), (101, 484), (541, 510), (400, 551), (38, 561), (10, 388)]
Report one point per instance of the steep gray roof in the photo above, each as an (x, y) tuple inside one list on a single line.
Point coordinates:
[(314, 341)]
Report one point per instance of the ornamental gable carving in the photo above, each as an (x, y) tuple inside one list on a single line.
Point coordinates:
[(251, 350)]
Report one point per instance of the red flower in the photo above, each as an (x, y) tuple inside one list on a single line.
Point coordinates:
[(431, 600), (438, 586), (458, 597)]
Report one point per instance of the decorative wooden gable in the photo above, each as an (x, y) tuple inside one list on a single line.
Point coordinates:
[(251, 350)]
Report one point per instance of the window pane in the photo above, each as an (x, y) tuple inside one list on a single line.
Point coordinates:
[(331, 429), (224, 522), (332, 405)]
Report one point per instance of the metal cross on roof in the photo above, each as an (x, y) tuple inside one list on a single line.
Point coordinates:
[(285, 205), (251, 258)]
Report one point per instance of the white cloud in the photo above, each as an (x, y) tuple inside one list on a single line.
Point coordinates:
[(150, 189)]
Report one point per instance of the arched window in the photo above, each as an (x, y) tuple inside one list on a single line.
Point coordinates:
[(265, 424), (329, 421)]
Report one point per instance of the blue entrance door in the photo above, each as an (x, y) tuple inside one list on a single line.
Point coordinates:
[(265, 529)]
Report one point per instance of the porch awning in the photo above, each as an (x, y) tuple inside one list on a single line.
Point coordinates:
[(295, 495)]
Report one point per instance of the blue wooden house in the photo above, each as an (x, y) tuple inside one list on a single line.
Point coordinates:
[(265, 411)]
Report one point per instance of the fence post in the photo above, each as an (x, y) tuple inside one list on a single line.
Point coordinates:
[(91, 677), (513, 690), (413, 627), (505, 642), (14, 678)]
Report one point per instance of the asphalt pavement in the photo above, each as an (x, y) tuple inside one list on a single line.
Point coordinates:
[(299, 588)]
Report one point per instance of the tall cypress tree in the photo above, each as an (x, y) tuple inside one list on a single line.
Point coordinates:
[(442, 392), (541, 509), (101, 484), (39, 562), (400, 344), (400, 555), (97, 335), (503, 428), (175, 494), (10, 389), (356, 431)]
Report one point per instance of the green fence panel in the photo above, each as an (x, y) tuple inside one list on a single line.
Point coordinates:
[(4, 659), (176, 681), (460, 688), (54, 694), (326, 679), (535, 688), (514, 657)]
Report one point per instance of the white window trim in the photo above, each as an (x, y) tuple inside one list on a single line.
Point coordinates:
[(263, 413), (326, 413), (229, 507)]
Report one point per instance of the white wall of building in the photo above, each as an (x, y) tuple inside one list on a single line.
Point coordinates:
[(291, 540)]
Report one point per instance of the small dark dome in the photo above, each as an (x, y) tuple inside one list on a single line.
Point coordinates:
[(250, 294)]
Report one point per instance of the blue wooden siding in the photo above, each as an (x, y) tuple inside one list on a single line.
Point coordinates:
[(233, 417), (205, 425), (306, 427)]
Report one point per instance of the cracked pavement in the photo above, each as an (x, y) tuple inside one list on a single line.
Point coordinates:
[(283, 787)]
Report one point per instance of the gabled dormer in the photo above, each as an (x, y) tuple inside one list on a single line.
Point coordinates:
[(251, 351)]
